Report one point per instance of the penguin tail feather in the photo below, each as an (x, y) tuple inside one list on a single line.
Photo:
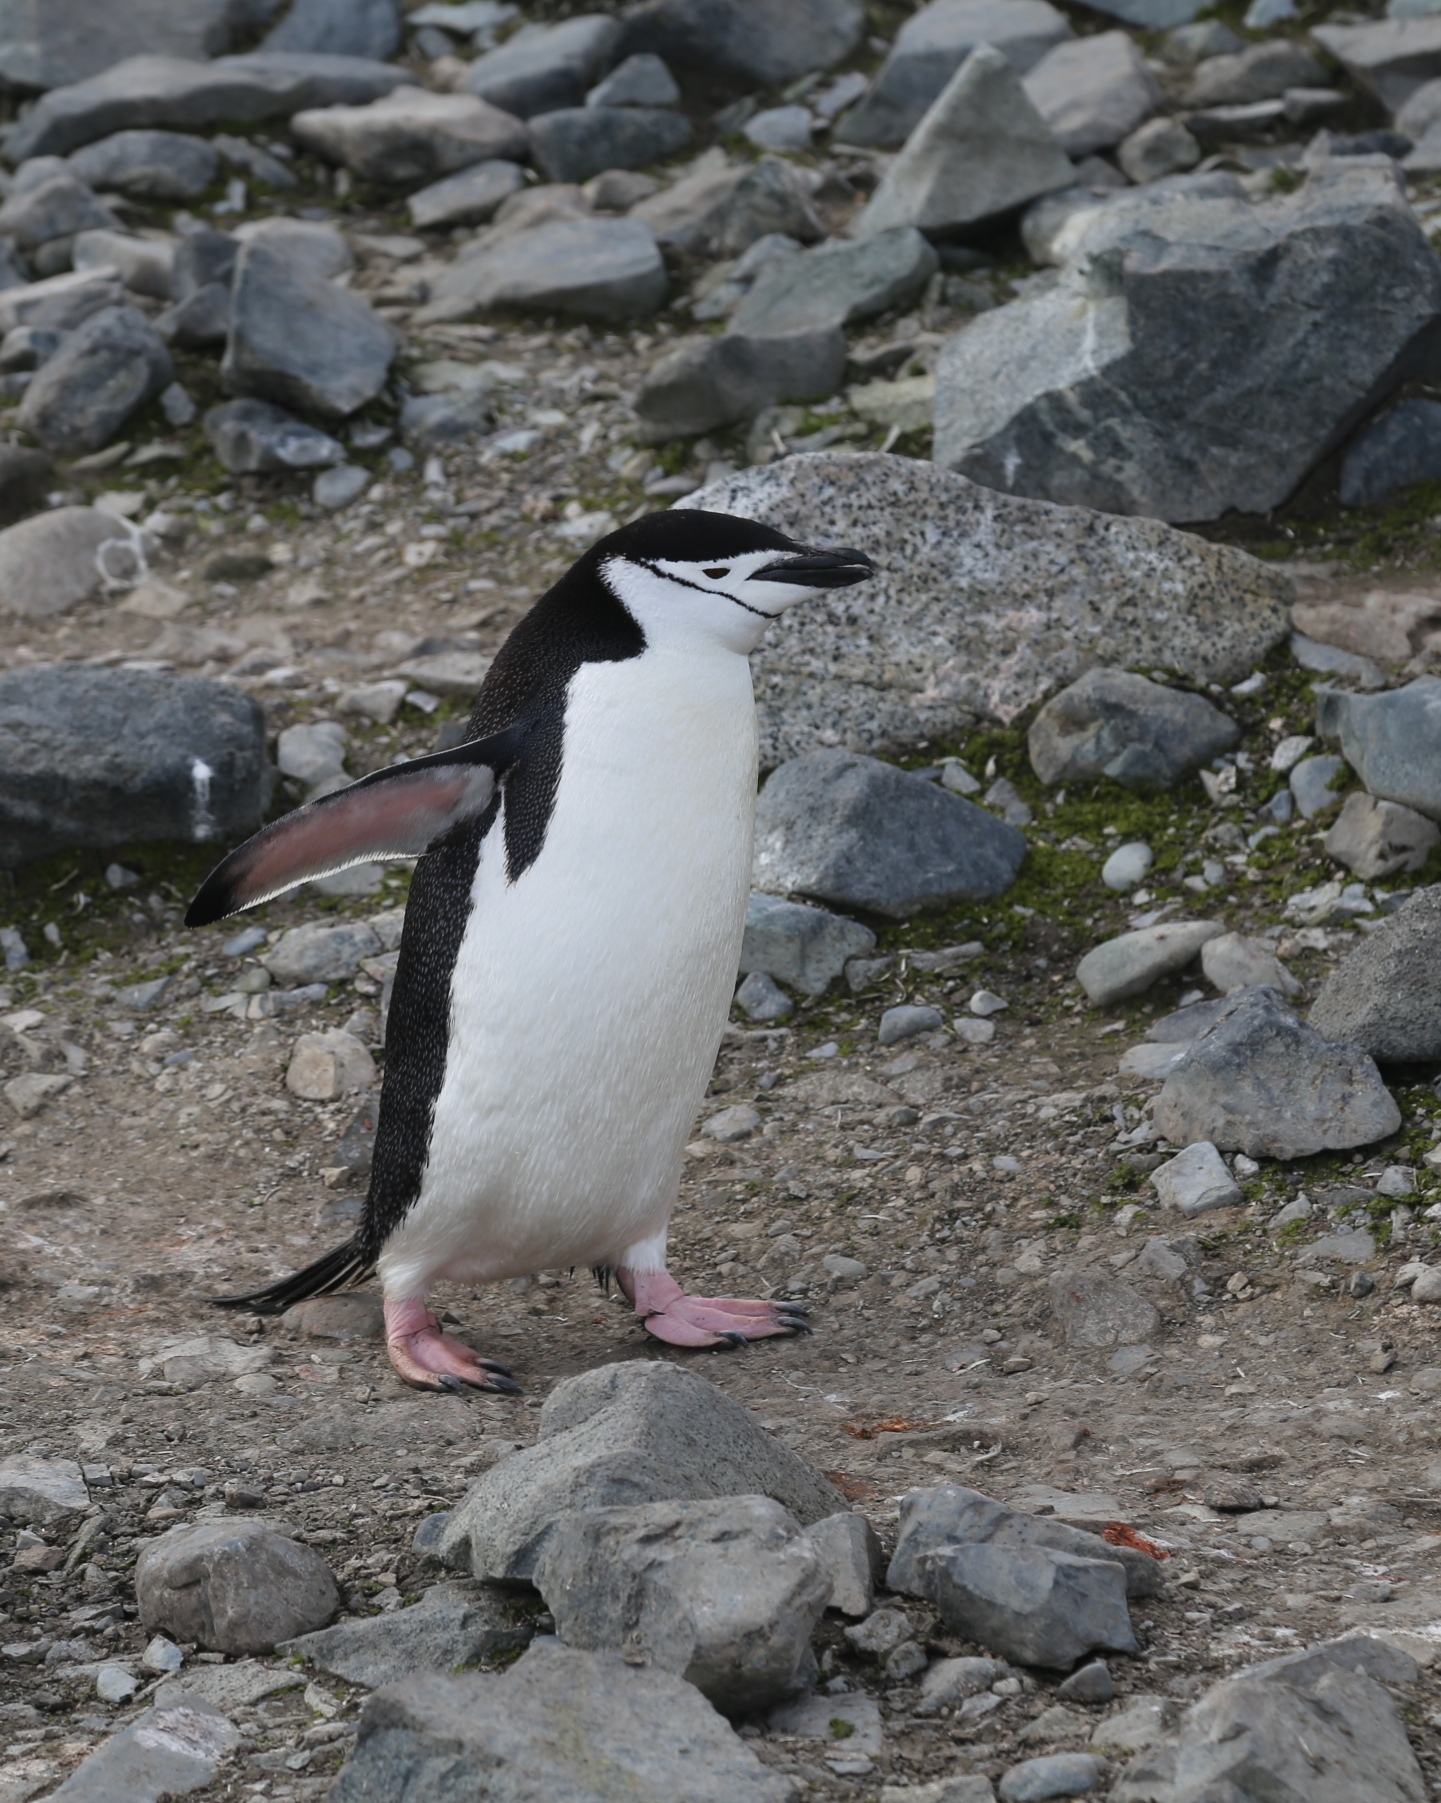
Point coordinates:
[(339, 1269)]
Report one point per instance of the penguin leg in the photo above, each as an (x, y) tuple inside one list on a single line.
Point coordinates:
[(428, 1359), (667, 1312)]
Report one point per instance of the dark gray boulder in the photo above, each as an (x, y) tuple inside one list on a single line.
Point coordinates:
[(708, 382), (547, 68), (368, 28), (837, 284), (590, 268), (200, 322), (642, 80), (575, 143), (1385, 994), (453, 1624), (25, 478), (858, 833), (104, 371), (1031, 1604), (203, 258), (252, 436), (805, 947), (1401, 447), (149, 165), (92, 758), (51, 43), (759, 42), (1141, 734), (1391, 740)]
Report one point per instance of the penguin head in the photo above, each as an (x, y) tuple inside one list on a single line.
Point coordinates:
[(687, 575)]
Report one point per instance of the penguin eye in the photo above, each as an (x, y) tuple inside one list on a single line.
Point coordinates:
[(715, 575)]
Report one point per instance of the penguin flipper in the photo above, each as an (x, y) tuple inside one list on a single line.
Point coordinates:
[(394, 813)]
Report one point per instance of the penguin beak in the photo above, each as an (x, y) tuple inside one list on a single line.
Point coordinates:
[(819, 569)]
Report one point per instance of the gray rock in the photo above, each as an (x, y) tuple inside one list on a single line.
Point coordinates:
[(708, 382), (469, 198), (981, 151), (1140, 733), (1094, 1311), (252, 436), (319, 953), (1385, 994), (41, 1492), (858, 833), (58, 208), (1090, 1684), (300, 341), (1391, 740), (980, 605), (412, 136), (453, 1624), (617, 1435), (1132, 962), (763, 999), (320, 250), (105, 370), (559, 1723), (1075, 394), (928, 49), (97, 757), (337, 488), (1031, 1604), (1127, 866), (574, 143), (724, 1593), (148, 165), (1053, 1775), (369, 28), (61, 41), (618, 190), (1403, 446), (837, 284), (642, 80), (59, 303), (168, 1751), (761, 43), (1234, 962), (1259, 72), (1262, 1083), (27, 347), (722, 212), (51, 562), (428, 420), (545, 67), (1187, 45), (588, 268), (951, 1681), (1311, 781), (142, 264), (168, 91), (846, 1545), (1196, 1180), (1093, 91), (1159, 148), (204, 259), (782, 128), (804, 947), (1380, 838), (233, 1586), (25, 479)]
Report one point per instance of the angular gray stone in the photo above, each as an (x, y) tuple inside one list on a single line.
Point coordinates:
[(412, 136), (1093, 91), (1030, 1604), (545, 67), (561, 1726), (25, 479), (574, 143), (1053, 1775), (148, 165), (41, 1492), (233, 1586), (1261, 1082), (1236, 962), (143, 264), (321, 953), (51, 43), (1141, 734), (763, 999), (1385, 994), (1391, 740), (724, 1593), (980, 605), (57, 208), (59, 303), (762, 43), (200, 322), (847, 1546), (928, 49), (641, 80), (168, 1751), (453, 1624), (859, 833), (708, 382), (51, 562), (1159, 148), (1132, 962), (369, 28), (104, 372), (95, 757), (435, 419), (172, 92), (617, 1435), (1311, 784), (299, 340), (1259, 72), (320, 250), (1132, 384), (803, 947), (1095, 1312), (1380, 838), (204, 259), (252, 436), (1403, 446), (469, 198), (588, 268), (981, 151), (722, 212), (1195, 1181), (837, 284)]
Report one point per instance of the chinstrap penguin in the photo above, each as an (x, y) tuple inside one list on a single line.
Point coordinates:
[(571, 938)]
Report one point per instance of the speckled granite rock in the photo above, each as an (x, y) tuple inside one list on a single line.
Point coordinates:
[(982, 604), (1385, 995)]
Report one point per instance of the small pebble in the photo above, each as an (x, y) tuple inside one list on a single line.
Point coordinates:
[(985, 1004), (762, 998), (1091, 1684), (1127, 866), (906, 1021)]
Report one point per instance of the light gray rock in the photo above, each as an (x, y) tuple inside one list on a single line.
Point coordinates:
[(722, 212), (469, 198), (203, 259), (148, 165), (168, 1751), (545, 1729), (1132, 962), (1196, 1180), (300, 341), (61, 41), (545, 67), (59, 303), (837, 284), (321, 953), (1075, 394), (1127, 866), (252, 436), (1234, 962), (453, 1624), (1094, 1311), (143, 264), (1031, 1604), (980, 605), (1259, 72), (1380, 838), (57, 208), (1385, 994), (846, 1545), (1391, 740), (859, 833), (981, 151), (951, 1681), (412, 136), (1159, 148), (704, 383), (574, 143), (1140, 733), (641, 80), (1260, 1082), (104, 371), (1186, 45), (588, 268), (338, 487), (804, 947), (311, 751), (41, 1492), (724, 1593), (96, 757), (928, 49), (1093, 91), (782, 128), (51, 562), (369, 28), (1311, 784), (761, 43), (617, 1435), (233, 1586), (1053, 1775), (763, 999), (429, 420), (320, 250), (906, 1021)]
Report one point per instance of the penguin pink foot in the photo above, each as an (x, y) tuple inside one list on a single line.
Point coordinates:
[(428, 1359), (668, 1313)]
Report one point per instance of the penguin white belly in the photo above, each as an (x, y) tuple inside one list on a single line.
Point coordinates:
[(589, 997)]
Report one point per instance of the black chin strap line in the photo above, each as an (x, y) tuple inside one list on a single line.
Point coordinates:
[(700, 588)]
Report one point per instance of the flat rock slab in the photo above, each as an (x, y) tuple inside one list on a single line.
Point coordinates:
[(453, 1624), (1385, 994), (412, 135), (588, 268), (1093, 91), (61, 41), (548, 67), (1031, 1604), (41, 1492), (981, 605), (838, 283), (561, 1726), (169, 1751)]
